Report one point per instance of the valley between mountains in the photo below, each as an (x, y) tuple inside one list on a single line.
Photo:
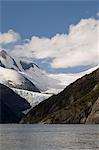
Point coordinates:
[(29, 95)]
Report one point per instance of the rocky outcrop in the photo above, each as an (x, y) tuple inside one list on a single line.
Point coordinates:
[(93, 117), (28, 65)]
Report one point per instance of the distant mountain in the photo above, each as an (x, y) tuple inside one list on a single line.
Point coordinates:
[(77, 103), (11, 105), (7, 61), (15, 79), (27, 70)]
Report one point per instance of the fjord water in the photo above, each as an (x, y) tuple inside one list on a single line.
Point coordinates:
[(49, 137)]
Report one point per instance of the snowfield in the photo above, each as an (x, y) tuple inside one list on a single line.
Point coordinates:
[(15, 70), (12, 76), (34, 98)]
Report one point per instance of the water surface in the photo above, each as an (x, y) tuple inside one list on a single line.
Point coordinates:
[(49, 137)]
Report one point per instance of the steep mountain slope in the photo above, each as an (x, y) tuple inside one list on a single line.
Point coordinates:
[(11, 105), (7, 61), (30, 71), (94, 115), (12, 78), (72, 105)]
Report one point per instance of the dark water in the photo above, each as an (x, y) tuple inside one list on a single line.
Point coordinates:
[(49, 137)]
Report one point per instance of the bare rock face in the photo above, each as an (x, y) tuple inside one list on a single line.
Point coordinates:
[(93, 117)]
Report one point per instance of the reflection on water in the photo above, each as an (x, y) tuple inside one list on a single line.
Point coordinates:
[(49, 137)]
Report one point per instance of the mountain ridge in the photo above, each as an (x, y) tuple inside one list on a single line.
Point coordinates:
[(30, 71), (80, 93)]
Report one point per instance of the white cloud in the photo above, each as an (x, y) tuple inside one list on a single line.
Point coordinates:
[(67, 78), (9, 37), (79, 47)]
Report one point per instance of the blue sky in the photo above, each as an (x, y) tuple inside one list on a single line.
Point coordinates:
[(46, 19)]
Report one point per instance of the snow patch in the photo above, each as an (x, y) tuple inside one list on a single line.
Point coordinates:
[(34, 98)]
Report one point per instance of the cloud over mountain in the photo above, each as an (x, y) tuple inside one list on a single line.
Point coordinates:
[(9, 37), (79, 47)]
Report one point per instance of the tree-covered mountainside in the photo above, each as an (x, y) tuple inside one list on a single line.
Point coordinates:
[(73, 105)]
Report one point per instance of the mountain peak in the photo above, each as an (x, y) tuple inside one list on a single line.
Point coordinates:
[(27, 65), (3, 53)]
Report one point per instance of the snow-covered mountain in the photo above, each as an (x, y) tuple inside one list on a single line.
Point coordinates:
[(14, 71), (15, 79), (6, 61), (28, 80), (44, 82), (68, 78)]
